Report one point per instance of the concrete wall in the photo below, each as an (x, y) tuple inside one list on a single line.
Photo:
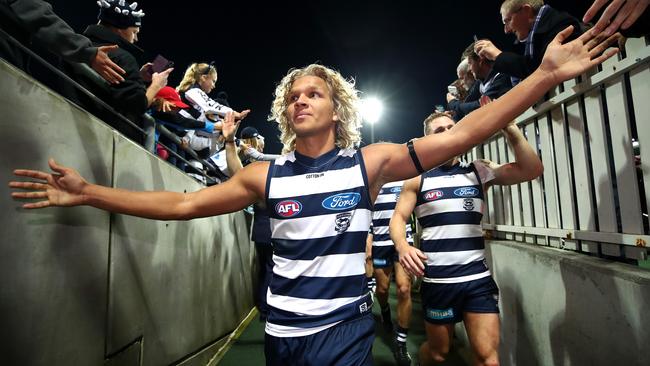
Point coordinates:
[(565, 308), (84, 287)]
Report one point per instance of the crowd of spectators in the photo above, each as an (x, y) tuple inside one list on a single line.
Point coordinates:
[(485, 71), (184, 124)]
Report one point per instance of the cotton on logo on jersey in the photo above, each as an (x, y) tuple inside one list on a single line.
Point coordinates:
[(341, 201), (433, 195), (288, 208)]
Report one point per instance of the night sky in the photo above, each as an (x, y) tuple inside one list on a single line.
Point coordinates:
[(404, 52)]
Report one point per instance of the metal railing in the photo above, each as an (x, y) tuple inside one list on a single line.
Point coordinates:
[(93, 77)]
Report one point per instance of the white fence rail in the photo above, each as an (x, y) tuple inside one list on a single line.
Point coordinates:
[(594, 194)]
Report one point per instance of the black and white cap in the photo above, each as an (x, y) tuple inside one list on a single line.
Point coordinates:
[(119, 13)]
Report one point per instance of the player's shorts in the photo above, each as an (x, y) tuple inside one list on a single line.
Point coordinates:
[(384, 257), (444, 303), (348, 343)]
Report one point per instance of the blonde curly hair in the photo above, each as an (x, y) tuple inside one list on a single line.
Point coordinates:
[(344, 96)]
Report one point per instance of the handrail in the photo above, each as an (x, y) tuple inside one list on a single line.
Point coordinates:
[(92, 96)]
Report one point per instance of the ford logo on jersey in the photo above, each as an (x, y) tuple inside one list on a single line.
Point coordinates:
[(396, 189), (288, 208), (433, 195), (466, 192), (341, 201)]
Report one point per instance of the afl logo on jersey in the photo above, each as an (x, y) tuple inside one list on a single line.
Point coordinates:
[(288, 208), (341, 201), (466, 192), (433, 195)]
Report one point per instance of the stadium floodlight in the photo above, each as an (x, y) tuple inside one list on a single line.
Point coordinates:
[(371, 109)]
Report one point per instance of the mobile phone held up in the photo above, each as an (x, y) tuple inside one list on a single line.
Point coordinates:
[(161, 64)]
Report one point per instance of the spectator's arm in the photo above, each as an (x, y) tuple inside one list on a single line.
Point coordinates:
[(181, 121), (158, 81), (253, 154), (45, 26), (499, 86), (527, 165), (207, 105), (229, 129), (55, 34)]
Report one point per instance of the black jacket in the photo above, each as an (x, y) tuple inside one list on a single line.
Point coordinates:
[(551, 23), (128, 97), (499, 86), (34, 21)]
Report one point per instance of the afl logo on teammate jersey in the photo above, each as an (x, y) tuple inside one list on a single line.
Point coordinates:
[(433, 195), (288, 208)]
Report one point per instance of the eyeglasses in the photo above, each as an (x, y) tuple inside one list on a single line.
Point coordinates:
[(508, 19)]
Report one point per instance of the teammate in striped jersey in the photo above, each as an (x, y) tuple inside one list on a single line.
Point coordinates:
[(385, 262), (457, 284), (316, 109)]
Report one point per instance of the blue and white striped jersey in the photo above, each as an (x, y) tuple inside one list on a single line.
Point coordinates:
[(383, 211), (320, 212), (450, 208)]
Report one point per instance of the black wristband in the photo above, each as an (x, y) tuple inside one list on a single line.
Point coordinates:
[(414, 157)]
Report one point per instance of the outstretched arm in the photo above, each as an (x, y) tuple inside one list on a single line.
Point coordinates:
[(67, 188), (527, 165), (389, 162), (411, 258)]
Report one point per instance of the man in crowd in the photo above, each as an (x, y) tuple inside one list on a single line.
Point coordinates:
[(319, 196), (534, 25), (34, 20), (119, 23), (491, 83)]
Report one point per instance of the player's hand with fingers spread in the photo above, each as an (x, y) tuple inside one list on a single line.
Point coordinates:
[(63, 188), (568, 60), (412, 259)]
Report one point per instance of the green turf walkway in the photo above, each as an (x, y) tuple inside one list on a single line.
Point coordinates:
[(249, 347)]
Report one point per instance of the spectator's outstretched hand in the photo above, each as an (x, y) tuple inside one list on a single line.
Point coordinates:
[(623, 12), (486, 49), (105, 67), (241, 115), (566, 61), (230, 126), (412, 260), (61, 189)]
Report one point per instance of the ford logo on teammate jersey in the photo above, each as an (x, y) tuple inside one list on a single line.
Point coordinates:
[(341, 201), (466, 192), (396, 189), (288, 208)]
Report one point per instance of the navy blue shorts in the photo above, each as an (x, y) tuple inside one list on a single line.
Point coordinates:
[(384, 256), (345, 344), (445, 303)]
